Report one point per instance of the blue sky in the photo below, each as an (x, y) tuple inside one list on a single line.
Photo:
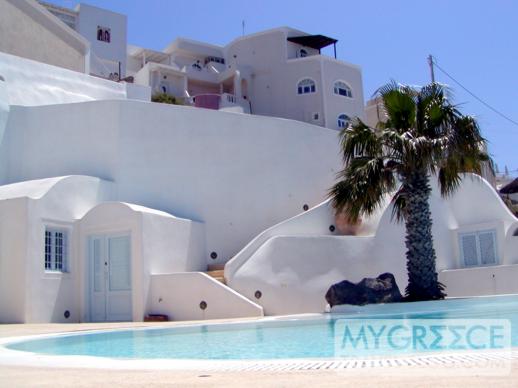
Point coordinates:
[(475, 41)]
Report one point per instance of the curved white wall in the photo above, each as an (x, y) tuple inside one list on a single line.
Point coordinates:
[(315, 222), (178, 295), (293, 271), (160, 244), (33, 83), (239, 174), (27, 292)]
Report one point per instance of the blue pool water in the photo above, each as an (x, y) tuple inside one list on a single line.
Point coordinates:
[(307, 337)]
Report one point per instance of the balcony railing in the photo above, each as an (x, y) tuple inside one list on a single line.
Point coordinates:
[(221, 101)]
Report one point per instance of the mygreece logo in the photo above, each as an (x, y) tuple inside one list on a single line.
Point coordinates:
[(392, 338)]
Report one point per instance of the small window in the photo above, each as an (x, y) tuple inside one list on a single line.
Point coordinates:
[(342, 89), (103, 34), (306, 86), (303, 53), (56, 251), (478, 248), (316, 116), (343, 120)]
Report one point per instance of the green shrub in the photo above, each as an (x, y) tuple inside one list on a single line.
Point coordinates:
[(165, 98)]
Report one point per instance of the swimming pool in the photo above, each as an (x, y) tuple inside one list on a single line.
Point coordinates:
[(304, 337)]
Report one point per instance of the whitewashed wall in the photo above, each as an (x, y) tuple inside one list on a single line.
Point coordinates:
[(111, 53), (160, 243), (273, 88), (13, 238), (315, 222), (28, 30), (293, 271), (29, 294), (4, 115), (480, 281), (34, 83), (238, 174), (178, 295)]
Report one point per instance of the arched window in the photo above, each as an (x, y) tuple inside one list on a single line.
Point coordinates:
[(342, 89), (303, 53), (343, 120), (305, 86)]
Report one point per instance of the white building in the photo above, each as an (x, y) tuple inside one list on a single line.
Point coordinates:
[(113, 207), (27, 30), (106, 31), (279, 72)]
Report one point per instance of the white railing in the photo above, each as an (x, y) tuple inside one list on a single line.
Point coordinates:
[(230, 98)]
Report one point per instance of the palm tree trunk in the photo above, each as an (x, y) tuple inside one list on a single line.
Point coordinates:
[(423, 282)]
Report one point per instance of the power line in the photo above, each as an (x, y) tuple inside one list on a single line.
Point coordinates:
[(474, 95)]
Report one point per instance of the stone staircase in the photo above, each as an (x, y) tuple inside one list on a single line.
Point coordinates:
[(217, 271)]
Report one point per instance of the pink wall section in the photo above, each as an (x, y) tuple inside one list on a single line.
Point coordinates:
[(209, 101)]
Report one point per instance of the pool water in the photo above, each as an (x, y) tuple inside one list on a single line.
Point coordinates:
[(288, 338)]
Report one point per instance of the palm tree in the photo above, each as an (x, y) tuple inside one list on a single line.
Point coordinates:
[(424, 135)]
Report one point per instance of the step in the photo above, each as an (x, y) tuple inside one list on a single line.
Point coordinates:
[(215, 267), (218, 275)]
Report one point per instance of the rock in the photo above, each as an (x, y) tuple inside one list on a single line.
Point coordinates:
[(382, 289)]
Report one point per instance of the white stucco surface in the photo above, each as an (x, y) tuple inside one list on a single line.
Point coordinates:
[(315, 222), (294, 271), (105, 56), (238, 174), (160, 243), (27, 292), (4, 116), (33, 83), (28, 30), (178, 295)]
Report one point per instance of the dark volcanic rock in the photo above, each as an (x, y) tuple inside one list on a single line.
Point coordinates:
[(382, 289)]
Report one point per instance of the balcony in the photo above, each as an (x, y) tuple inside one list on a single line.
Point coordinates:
[(202, 73), (226, 101)]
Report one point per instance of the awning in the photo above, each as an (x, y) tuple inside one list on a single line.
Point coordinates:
[(314, 41), (150, 55)]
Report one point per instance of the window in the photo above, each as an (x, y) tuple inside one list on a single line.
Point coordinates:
[(215, 59), (478, 248), (342, 89), (343, 120), (303, 53), (306, 86), (56, 250), (103, 34)]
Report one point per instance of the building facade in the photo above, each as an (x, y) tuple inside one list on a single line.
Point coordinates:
[(112, 208), (27, 30), (279, 72), (106, 32)]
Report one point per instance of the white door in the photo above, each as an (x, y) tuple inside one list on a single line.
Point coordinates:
[(110, 278)]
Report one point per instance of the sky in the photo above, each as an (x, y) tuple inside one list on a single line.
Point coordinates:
[(475, 41)]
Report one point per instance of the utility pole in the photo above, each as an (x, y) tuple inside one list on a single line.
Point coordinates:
[(243, 26), (430, 63)]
